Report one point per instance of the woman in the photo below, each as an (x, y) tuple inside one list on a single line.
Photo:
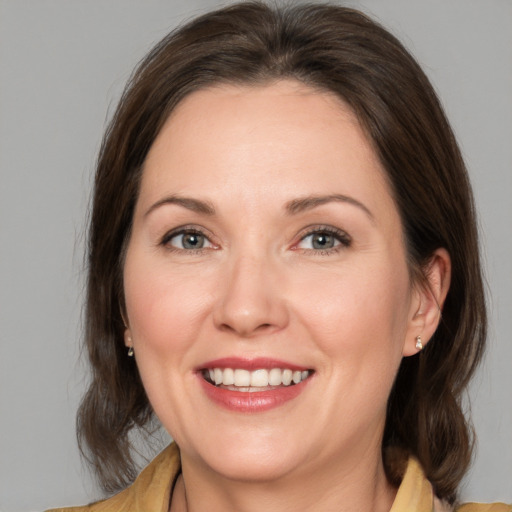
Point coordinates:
[(281, 214)]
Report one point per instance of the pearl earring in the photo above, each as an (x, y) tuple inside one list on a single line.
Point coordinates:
[(419, 345), (130, 352)]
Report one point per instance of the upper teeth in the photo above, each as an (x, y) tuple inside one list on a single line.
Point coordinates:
[(256, 378)]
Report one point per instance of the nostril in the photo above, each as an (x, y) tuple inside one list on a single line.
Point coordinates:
[(247, 315), (226, 327)]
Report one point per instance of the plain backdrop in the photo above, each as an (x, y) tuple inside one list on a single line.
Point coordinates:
[(63, 64)]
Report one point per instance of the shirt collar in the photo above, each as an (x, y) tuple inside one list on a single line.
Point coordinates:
[(152, 489), (415, 492)]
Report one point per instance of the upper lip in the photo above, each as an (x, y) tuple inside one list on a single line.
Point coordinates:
[(251, 364)]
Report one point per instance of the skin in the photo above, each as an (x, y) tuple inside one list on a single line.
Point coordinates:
[(259, 287)]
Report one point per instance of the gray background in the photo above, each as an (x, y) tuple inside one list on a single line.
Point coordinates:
[(63, 64)]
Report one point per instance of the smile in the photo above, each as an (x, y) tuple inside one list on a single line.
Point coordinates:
[(246, 381), (252, 385)]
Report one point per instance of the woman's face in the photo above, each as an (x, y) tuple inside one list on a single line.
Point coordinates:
[(266, 246)]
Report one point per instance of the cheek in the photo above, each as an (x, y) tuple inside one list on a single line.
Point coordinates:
[(359, 312), (164, 307), (166, 311)]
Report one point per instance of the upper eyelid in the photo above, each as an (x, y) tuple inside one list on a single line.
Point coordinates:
[(187, 228), (324, 229), (305, 232), (344, 239)]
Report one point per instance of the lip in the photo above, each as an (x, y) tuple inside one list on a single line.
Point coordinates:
[(259, 401), (254, 402)]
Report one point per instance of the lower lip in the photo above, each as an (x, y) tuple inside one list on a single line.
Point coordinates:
[(257, 401)]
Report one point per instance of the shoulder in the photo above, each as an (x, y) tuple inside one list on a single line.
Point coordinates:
[(416, 494), (150, 491), (484, 507)]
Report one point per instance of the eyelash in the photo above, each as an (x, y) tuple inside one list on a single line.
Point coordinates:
[(185, 230), (341, 236)]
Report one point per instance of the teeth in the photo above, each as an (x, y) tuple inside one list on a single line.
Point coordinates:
[(228, 377), (217, 373), (242, 378), (275, 377), (261, 378)]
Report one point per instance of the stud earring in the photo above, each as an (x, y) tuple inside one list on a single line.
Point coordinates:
[(419, 345), (130, 352)]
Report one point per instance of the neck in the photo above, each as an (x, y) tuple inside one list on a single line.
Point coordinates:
[(352, 485)]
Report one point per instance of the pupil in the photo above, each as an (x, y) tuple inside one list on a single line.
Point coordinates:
[(323, 241), (193, 241)]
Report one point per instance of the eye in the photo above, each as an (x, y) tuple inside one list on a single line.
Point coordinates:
[(187, 239), (324, 239)]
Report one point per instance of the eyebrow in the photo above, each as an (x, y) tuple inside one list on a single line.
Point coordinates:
[(309, 202), (292, 207), (195, 205)]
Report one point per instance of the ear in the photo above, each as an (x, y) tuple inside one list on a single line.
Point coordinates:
[(127, 334), (427, 301), (128, 338)]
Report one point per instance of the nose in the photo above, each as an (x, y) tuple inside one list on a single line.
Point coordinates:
[(250, 299)]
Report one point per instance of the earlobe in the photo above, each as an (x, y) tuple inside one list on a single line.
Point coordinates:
[(128, 342), (127, 334), (128, 338), (428, 302)]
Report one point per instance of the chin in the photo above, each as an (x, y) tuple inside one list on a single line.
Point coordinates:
[(251, 457), (253, 468)]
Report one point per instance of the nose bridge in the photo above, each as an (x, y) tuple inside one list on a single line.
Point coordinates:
[(250, 301)]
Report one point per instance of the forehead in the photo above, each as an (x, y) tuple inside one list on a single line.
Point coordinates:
[(270, 114), (283, 104), (281, 137), (261, 95)]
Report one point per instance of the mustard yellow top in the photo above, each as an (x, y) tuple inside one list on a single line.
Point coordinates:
[(151, 491)]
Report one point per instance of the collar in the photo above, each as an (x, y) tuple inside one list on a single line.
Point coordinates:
[(415, 492), (152, 489)]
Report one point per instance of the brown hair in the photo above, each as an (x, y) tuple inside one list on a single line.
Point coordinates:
[(331, 48)]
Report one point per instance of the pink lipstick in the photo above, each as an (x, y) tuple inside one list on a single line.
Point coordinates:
[(252, 385)]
